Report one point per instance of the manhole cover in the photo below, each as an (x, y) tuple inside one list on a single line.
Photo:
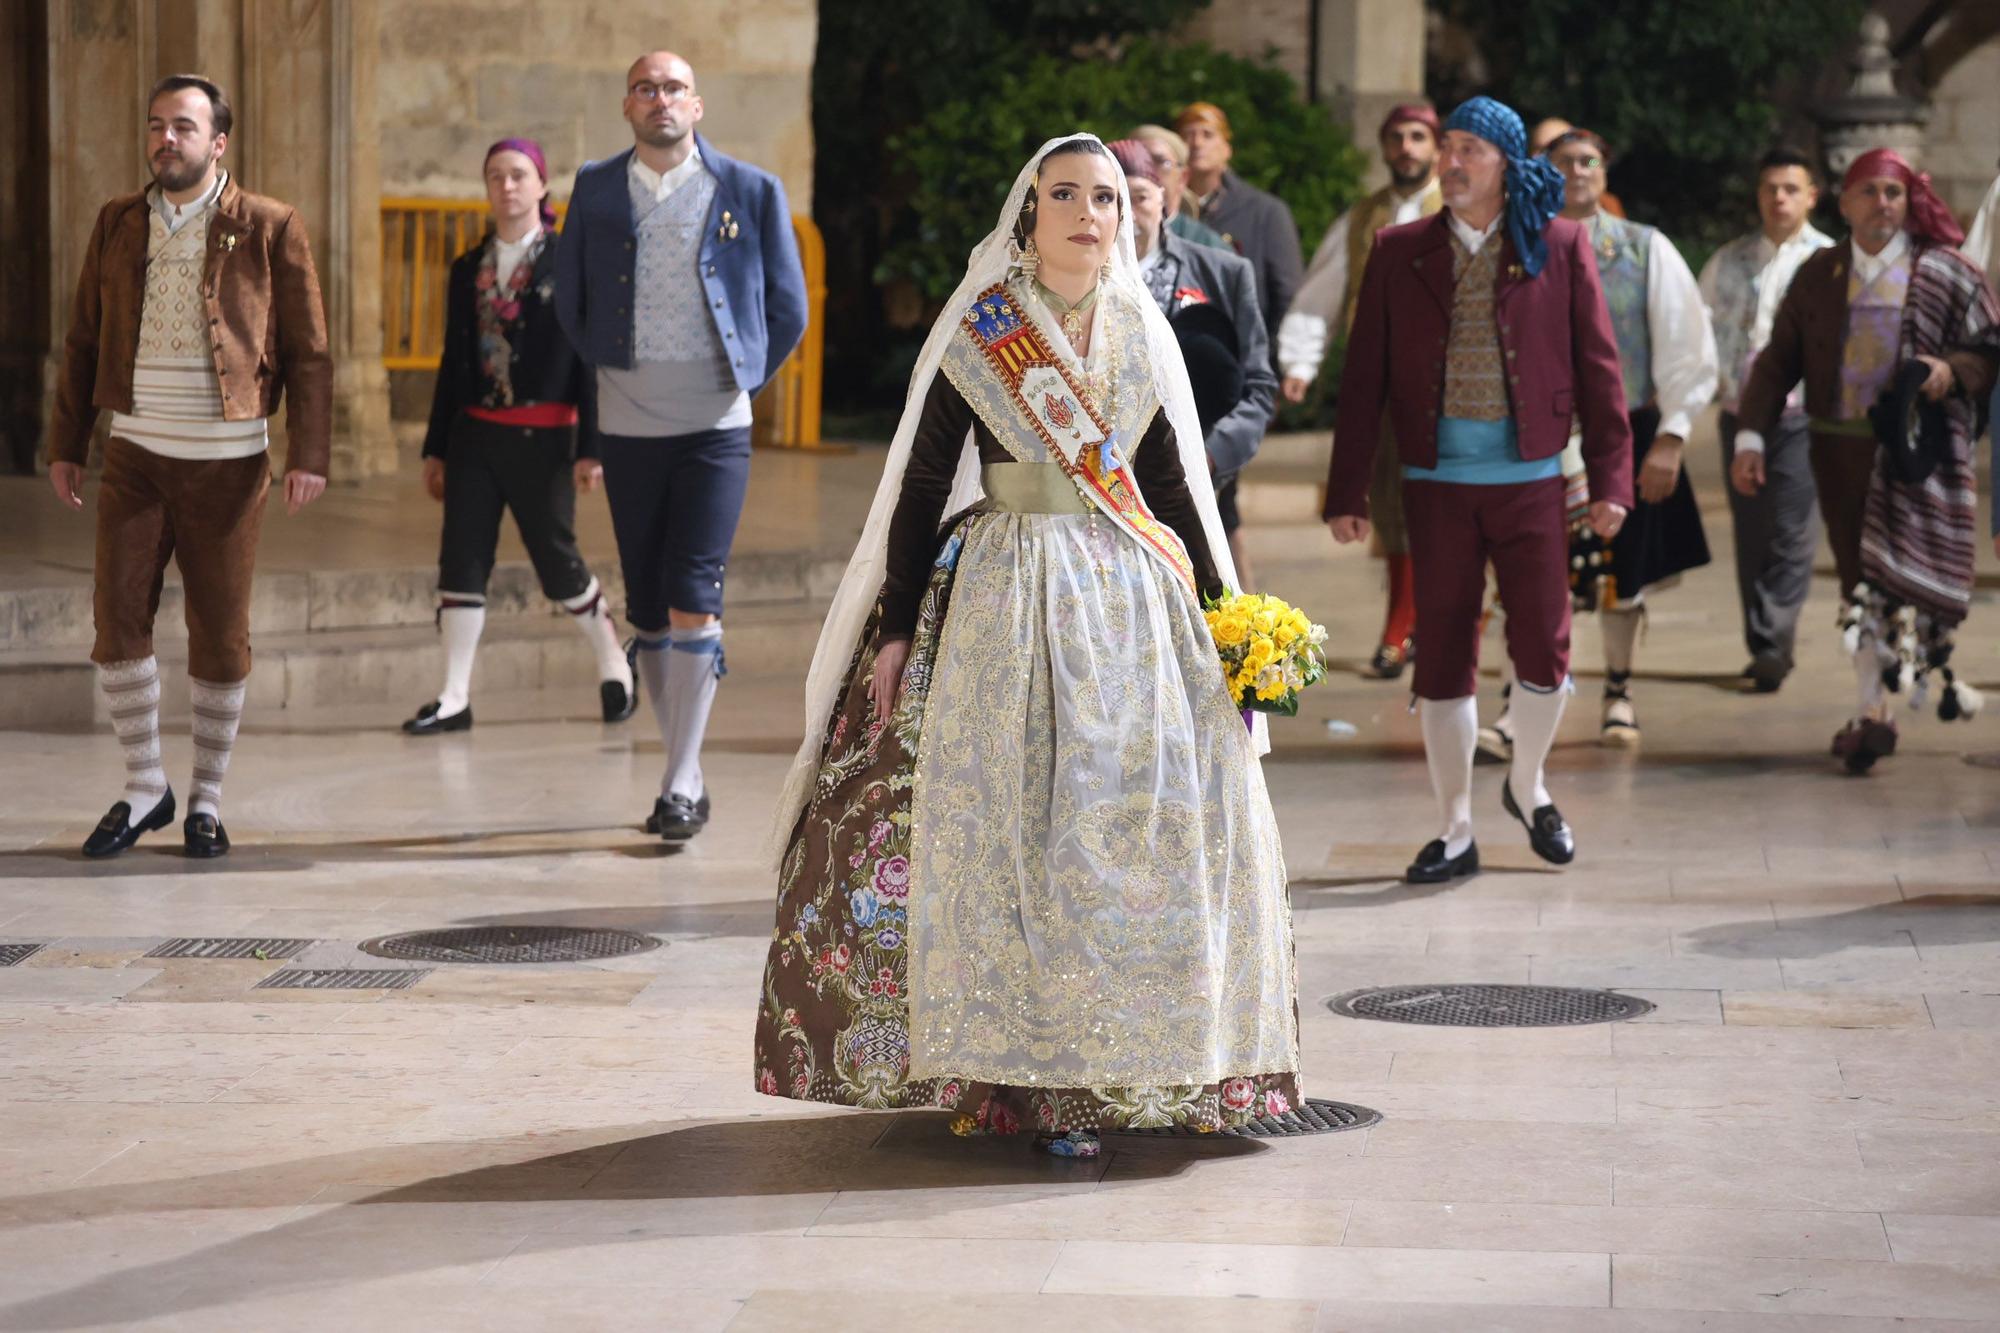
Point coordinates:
[(1315, 1117), (511, 944), (11, 954), (1489, 1006), (239, 947), (343, 978)]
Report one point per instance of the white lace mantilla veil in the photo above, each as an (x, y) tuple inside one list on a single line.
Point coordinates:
[(862, 583)]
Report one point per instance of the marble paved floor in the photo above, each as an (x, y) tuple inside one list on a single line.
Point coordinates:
[(1803, 1136)]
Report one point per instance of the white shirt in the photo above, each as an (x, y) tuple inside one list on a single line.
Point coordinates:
[(1686, 366), (1867, 268), (1777, 263), (507, 255), (1470, 237), (177, 216), (1302, 334), (660, 185), (1982, 242)]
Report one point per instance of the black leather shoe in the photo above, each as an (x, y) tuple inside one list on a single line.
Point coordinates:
[(1766, 673), (203, 837), (1548, 832), (1432, 866), (428, 723), (617, 701), (676, 818), (1388, 662), (115, 832)]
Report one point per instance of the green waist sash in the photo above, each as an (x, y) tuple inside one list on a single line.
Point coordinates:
[(1857, 429), (1031, 488)]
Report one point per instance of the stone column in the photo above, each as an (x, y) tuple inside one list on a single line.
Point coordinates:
[(307, 103), (1371, 57)]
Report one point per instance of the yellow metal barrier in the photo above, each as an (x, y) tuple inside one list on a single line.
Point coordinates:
[(420, 238)]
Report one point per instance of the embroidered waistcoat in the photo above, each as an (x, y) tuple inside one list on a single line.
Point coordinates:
[(1624, 250), (670, 315), (1475, 380), (1874, 333), (1372, 214)]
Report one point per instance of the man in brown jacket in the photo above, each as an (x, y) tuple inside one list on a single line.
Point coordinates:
[(198, 309)]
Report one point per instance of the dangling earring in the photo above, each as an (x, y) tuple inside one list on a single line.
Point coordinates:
[(1030, 260)]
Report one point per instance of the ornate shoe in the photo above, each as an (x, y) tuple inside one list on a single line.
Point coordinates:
[(1548, 832), (115, 832), (428, 723), (1620, 729), (1388, 662), (1863, 741), (676, 819), (1432, 866), (616, 699), (203, 837), (1079, 1143)]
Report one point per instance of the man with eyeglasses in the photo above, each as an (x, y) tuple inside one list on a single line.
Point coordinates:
[(678, 280), (1170, 159)]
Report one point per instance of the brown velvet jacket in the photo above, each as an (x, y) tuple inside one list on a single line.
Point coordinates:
[(264, 313), (1809, 338), (913, 529)]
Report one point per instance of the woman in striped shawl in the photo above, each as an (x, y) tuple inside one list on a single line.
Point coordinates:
[(1895, 293)]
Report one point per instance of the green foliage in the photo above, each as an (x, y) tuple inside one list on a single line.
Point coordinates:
[(1688, 94), (963, 155)]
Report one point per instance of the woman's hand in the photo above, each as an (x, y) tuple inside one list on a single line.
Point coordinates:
[(885, 686), (434, 478), (1660, 472)]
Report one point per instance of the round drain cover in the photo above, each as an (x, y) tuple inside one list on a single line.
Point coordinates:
[(1315, 1117), (511, 944), (1489, 1006)]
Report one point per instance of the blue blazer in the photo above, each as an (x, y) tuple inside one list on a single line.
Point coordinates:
[(755, 285)]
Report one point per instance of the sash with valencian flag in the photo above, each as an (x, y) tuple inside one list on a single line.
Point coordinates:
[(1008, 372)]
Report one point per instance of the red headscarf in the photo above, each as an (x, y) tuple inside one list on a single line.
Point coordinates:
[(1929, 219), (1136, 161), (1421, 113)]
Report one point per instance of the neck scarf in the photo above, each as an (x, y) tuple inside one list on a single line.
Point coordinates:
[(1929, 220), (1534, 188)]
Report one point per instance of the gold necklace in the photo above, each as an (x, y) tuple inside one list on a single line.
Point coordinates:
[(1070, 316)]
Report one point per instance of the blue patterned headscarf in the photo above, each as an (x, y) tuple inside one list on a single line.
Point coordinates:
[(1534, 187)]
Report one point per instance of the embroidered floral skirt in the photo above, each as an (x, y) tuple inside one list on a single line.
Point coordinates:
[(1048, 892)]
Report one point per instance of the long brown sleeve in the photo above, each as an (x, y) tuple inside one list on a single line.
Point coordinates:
[(934, 454), (307, 360), (1778, 367), (1156, 466), (75, 412)]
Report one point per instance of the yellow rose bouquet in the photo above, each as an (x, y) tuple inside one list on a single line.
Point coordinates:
[(1270, 650)]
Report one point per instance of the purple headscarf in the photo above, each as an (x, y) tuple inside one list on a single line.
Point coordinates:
[(531, 150)]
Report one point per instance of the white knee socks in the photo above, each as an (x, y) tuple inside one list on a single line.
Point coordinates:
[(1537, 712), (218, 709), (1451, 728), (132, 693), (694, 664), (593, 621), (460, 621), (1621, 637)]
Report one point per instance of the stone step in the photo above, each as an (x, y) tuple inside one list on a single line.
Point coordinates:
[(54, 611), (391, 670), (1280, 493), (1304, 448)]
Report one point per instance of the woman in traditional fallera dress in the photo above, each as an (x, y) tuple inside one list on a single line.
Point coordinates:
[(1029, 870)]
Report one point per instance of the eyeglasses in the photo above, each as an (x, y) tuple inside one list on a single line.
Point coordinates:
[(659, 92), (1582, 163)]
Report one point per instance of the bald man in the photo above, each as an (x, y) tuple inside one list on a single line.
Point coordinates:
[(678, 281)]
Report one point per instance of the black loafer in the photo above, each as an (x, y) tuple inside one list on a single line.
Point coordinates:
[(428, 723), (1766, 673), (1388, 662), (1432, 866), (676, 818), (617, 701), (1548, 832), (203, 837), (115, 832)]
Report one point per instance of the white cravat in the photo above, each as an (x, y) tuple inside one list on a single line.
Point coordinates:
[(1472, 238)]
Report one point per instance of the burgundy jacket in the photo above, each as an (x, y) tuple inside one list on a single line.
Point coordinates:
[(1555, 334)]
